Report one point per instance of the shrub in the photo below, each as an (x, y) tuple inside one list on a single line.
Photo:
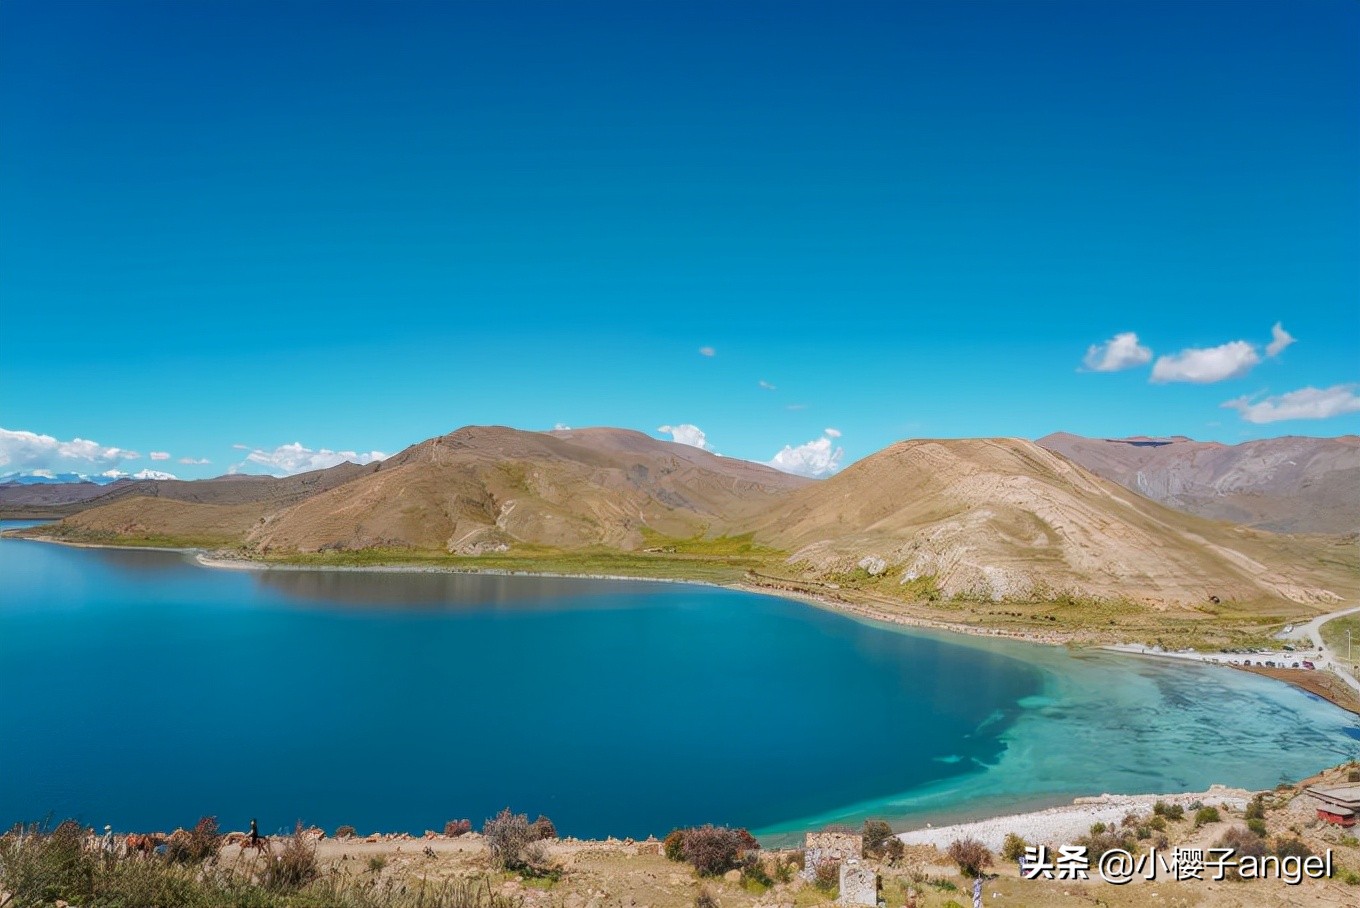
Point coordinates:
[(1157, 823), (1206, 815), (1257, 826), (294, 865), (705, 899), (1097, 828), (1097, 844), (876, 834), (376, 863), (1161, 842), (753, 871), (1353, 775), (826, 876), (1243, 843), (894, 851), (543, 828), (1013, 849), (1256, 810), (1170, 811), (508, 837), (1130, 819), (1292, 848), (196, 845), (454, 828), (713, 850), (971, 856), (674, 845), (348, 832)]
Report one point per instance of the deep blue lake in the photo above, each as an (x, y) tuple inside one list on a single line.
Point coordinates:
[(144, 690)]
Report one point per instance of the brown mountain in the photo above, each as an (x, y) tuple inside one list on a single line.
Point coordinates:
[(204, 511), (484, 488), (1002, 517), (1287, 485), (992, 518)]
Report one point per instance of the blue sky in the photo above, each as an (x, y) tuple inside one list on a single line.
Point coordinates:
[(227, 227)]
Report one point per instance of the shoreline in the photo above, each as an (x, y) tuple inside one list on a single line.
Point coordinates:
[(1062, 825)]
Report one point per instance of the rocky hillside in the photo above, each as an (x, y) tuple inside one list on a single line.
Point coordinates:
[(1287, 485), (1002, 518), (484, 489)]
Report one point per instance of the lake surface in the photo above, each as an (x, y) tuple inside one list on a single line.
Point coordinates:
[(144, 690)]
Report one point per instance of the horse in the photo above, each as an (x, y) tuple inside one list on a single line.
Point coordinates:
[(260, 845), (143, 844)]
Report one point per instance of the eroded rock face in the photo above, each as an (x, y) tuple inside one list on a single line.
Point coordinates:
[(1285, 485)]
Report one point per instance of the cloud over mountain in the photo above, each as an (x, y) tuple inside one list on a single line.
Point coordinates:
[(286, 460), (1305, 403), (22, 451), (817, 458)]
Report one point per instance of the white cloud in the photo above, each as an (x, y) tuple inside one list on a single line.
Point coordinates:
[(833, 433), (1231, 360), (1305, 403), (707, 351), (766, 385), (687, 434), (1118, 353), (153, 474), (194, 461), (561, 427), (286, 460), (815, 458), (22, 451), (1279, 339), (796, 407), (159, 455)]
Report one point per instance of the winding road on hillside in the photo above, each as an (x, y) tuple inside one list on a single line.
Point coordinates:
[(1312, 631)]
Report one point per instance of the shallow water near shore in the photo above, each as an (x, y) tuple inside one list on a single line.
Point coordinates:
[(145, 690)]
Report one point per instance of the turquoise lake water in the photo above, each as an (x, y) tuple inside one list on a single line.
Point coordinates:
[(143, 690)]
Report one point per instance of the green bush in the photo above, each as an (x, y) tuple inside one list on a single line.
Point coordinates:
[(1257, 826), (894, 851), (1169, 811), (1256, 810), (1013, 849), (1206, 815), (673, 846), (876, 834)]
